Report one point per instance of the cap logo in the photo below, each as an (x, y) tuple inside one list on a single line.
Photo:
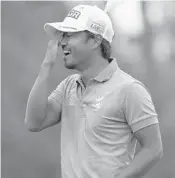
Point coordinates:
[(74, 14), (97, 27)]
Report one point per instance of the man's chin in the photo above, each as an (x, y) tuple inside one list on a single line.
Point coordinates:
[(69, 66)]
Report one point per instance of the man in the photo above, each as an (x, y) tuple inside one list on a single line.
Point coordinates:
[(103, 111)]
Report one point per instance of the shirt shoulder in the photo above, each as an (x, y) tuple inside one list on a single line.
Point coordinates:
[(63, 87), (125, 81), (70, 83), (138, 105), (130, 85)]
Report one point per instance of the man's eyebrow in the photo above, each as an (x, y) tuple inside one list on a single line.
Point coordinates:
[(67, 34)]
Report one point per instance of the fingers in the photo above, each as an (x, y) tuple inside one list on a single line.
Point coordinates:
[(57, 41), (59, 36), (52, 43)]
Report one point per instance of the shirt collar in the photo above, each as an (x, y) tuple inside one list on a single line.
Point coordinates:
[(104, 75)]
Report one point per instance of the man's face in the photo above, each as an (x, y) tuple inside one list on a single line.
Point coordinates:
[(77, 50)]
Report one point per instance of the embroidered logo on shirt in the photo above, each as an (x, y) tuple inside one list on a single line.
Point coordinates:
[(98, 102)]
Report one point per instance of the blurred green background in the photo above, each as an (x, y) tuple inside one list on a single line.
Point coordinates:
[(144, 47)]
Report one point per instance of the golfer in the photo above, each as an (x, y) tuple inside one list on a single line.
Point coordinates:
[(103, 111)]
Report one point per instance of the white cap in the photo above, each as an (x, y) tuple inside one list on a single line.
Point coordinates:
[(81, 18)]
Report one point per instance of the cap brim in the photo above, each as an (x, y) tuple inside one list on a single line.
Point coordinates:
[(53, 29)]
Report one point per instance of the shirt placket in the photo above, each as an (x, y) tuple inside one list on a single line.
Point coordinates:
[(82, 91), (83, 94)]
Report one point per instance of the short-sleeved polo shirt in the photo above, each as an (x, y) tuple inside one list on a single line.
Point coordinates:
[(98, 122)]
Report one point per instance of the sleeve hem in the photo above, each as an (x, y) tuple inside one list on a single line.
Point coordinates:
[(53, 98), (144, 123)]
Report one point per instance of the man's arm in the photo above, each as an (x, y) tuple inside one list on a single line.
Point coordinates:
[(42, 112), (142, 118), (151, 152)]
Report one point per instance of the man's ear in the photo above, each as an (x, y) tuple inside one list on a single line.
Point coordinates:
[(97, 41)]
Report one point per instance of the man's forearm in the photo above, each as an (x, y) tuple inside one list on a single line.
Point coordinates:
[(38, 99), (142, 163)]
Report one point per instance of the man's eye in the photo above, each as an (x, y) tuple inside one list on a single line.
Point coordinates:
[(69, 34), (66, 35)]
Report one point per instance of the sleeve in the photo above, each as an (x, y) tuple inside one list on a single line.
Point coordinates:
[(138, 107), (58, 93)]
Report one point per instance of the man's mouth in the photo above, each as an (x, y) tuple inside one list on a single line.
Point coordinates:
[(66, 53)]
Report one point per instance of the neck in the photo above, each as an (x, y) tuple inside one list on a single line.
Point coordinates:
[(95, 67)]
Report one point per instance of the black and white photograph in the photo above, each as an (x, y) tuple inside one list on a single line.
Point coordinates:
[(88, 89)]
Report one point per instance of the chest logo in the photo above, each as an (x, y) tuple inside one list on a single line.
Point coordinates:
[(98, 103)]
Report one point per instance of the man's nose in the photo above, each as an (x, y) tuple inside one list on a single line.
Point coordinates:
[(63, 47), (64, 41)]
